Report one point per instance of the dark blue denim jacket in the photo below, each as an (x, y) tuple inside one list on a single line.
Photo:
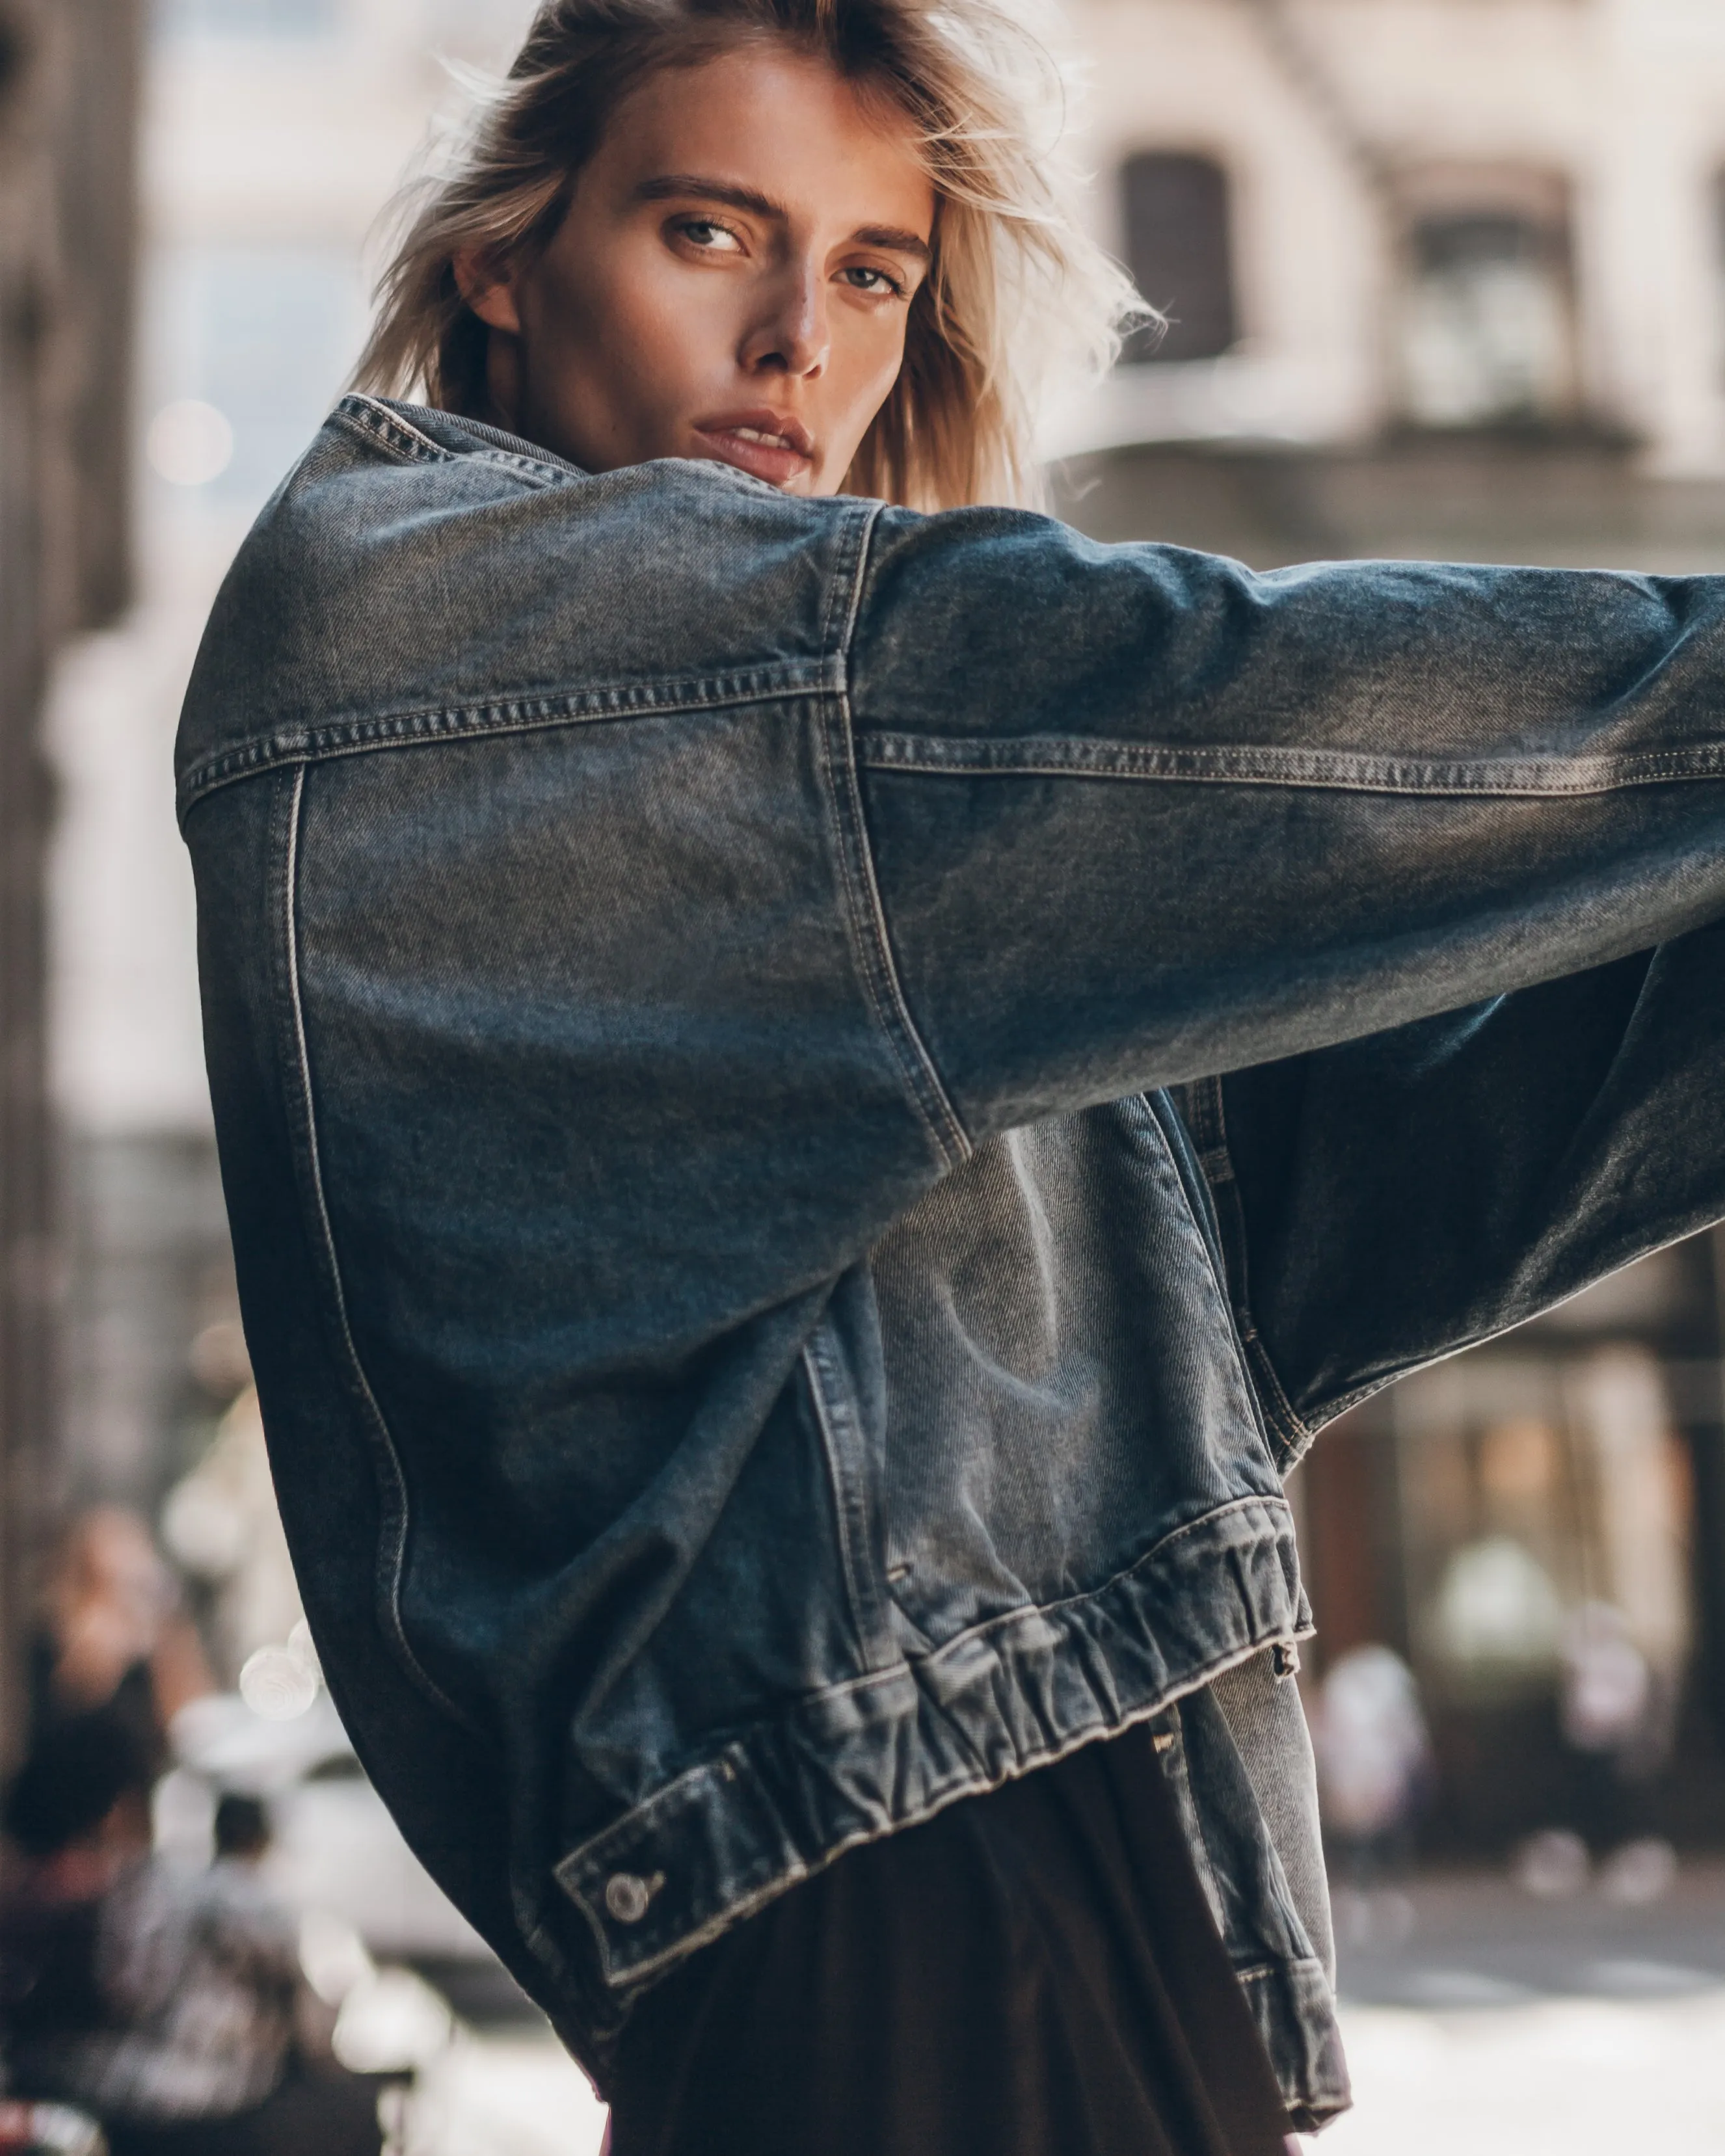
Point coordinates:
[(768, 1320)]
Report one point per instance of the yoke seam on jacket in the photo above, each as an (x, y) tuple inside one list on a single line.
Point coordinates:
[(426, 725)]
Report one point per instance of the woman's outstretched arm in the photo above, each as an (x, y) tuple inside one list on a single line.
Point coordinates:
[(1386, 841), (1138, 815)]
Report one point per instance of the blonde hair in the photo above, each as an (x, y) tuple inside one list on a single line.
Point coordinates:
[(1016, 292)]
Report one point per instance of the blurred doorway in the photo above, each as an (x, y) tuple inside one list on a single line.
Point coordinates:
[(1476, 1514)]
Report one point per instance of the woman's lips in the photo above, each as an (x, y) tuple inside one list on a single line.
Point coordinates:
[(762, 443)]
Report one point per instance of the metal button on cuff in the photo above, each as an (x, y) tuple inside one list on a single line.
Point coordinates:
[(627, 1897)]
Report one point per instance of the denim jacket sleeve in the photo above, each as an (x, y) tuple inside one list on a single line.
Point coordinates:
[(1390, 1200), (1396, 831)]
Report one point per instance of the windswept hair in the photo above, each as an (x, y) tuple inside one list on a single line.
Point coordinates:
[(1017, 293)]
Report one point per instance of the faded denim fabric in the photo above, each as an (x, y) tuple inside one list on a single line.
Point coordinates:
[(768, 1320)]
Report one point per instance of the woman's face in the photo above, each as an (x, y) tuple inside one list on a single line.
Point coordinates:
[(731, 282)]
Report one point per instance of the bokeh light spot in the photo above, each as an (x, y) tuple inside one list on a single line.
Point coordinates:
[(189, 443)]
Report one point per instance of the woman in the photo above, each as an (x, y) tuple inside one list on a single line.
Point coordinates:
[(773, 1335), (113, 1643), (167, 2002)]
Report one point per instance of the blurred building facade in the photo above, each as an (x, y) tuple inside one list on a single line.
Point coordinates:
[(1474, 1515), (68, 98), (1444, 276)]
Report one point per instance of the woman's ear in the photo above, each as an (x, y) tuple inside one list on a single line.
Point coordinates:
[(488, 288)]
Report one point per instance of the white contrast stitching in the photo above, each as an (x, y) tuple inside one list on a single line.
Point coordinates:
[(1058, 755), (397, 1554)]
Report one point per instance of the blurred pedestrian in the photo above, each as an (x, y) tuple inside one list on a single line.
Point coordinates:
[(113, 1640), (1374, 1756), (169, 2002), (1616, 1738), (76, 1818)]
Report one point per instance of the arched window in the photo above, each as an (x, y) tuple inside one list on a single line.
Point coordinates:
[(1179, 250)]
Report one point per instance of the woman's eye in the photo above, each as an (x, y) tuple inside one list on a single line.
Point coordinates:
[(710, 238), (863, 279)]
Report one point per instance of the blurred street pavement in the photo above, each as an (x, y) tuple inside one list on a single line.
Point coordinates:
[(511, 2092), (1563, 2078), (1479, 2019)]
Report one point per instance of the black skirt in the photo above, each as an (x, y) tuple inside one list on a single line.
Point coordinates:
[(1031, 1973)]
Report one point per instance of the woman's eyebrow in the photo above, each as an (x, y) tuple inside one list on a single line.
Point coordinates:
[(679, 185), (668, 185), (895, 242)]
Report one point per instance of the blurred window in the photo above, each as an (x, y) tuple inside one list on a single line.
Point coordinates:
[(251, 348), (246, 17), (1487, 338), (1179, 250)]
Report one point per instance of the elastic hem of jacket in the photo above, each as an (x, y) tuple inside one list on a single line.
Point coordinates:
[(862, 1760)]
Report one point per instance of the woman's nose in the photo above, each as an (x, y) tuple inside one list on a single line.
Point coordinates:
[(792, 336)]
